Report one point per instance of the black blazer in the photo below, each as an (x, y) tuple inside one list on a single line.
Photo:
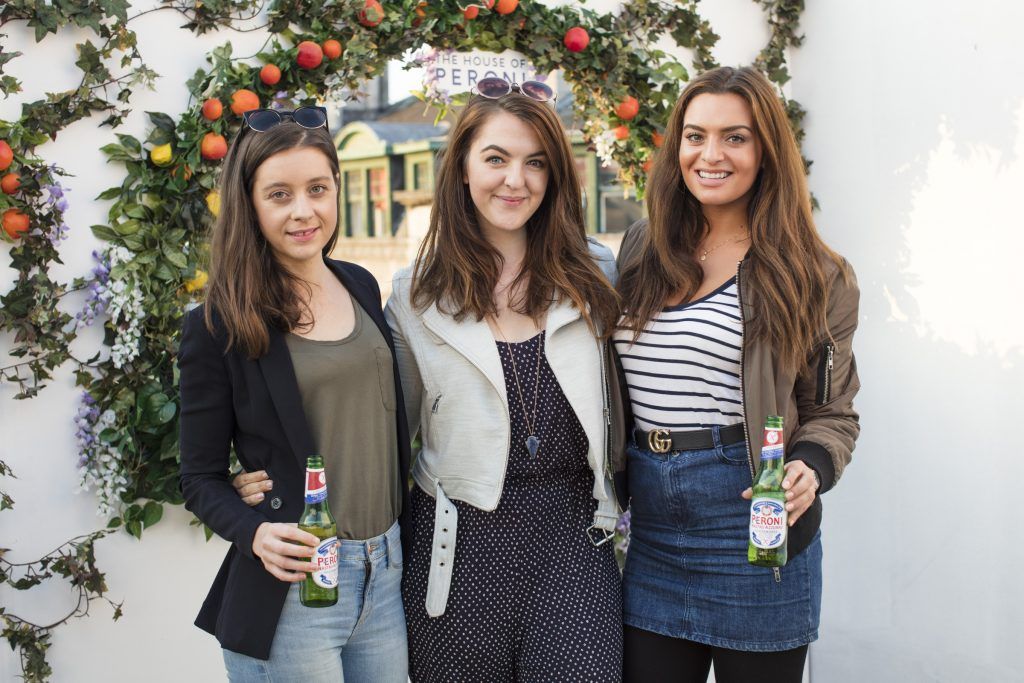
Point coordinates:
[(254, 405)]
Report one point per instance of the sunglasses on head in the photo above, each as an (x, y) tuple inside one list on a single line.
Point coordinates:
[(262, 120), (496, 88)]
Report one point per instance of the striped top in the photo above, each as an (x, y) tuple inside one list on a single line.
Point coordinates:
[(683, 372)]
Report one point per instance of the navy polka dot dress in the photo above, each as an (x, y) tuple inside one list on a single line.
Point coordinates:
[(532, 599)]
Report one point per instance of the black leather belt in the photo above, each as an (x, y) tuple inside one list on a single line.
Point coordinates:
[(663, 440)]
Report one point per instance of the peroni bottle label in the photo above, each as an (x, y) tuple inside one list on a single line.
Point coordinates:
[(326, 559), (316, 486), (772, 447), (768, 519)]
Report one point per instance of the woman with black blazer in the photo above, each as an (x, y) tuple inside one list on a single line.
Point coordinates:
[(291, 356)]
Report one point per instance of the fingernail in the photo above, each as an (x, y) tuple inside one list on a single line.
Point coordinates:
[(259, 496)]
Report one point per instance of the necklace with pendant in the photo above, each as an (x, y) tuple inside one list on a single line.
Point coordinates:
[(532, 439), (705, 252)]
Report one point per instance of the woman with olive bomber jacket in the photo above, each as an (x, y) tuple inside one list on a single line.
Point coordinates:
[(817, 404), (455, 397)]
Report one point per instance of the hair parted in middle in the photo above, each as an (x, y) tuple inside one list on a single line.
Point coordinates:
[(248, 288), (787, 257), (457, 269)]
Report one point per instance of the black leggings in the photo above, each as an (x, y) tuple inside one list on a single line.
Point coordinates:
[(651, 657)]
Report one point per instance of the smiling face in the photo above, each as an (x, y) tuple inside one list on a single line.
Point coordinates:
[(506, 170), (719, 154), (296, 200)]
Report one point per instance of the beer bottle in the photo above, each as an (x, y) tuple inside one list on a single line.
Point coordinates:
[(768, 517), (320, 589)]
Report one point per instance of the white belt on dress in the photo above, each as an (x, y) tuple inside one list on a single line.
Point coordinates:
[(442, 555)]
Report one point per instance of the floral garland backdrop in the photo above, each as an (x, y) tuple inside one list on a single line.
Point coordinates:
[(151, 268)]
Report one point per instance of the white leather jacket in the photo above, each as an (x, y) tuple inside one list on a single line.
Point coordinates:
[(455, 397)]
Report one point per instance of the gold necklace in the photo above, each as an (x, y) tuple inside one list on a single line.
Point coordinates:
[(532, 440), (704, 253)]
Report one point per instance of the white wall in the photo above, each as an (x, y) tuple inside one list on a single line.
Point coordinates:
[(162, 579), (916, 127)]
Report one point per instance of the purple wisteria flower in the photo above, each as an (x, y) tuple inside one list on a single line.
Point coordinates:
[(86, 418), (622, 533), (97, 296)]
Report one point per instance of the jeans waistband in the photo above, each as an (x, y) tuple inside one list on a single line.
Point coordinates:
[(371, 549)]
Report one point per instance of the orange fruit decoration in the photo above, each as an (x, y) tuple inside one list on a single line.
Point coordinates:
[(15, 223), (658, 139), (244, 100), (270, 74), (373, 13), (471, 12), (621, 132), (212, 109), (213, 147), (331, 48), (310, 55), (506, 6), (420, 13), (576, 39), (10, 183), (628, 108), (6, 155)]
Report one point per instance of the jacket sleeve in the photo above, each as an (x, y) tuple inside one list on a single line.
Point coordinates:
[(398, 314), (207, 425), (630, 241), (829, 424)]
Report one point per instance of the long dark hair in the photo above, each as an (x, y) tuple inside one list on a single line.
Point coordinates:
[(248, 288), (787, 257), (457, 269)]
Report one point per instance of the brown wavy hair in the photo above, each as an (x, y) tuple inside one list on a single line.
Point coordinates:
[(457, 269), (786, 263), (249, 290)]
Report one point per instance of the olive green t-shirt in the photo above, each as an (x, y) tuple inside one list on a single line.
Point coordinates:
[(348, 394)]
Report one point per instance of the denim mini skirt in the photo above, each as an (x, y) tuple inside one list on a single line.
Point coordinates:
[(686, 573)]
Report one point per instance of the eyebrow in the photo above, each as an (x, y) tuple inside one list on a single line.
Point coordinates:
[(504, 151), (727, 129), (319, 179)]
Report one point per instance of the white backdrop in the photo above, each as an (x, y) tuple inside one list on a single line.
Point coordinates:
[(916, 128)]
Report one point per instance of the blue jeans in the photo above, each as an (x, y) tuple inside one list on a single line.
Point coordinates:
[(360, 640), (686, 573)]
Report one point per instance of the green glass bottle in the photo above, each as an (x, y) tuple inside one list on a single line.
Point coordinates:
[(769, 528), (320, 589)]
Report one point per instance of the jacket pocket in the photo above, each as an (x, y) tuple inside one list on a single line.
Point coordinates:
[(826, 359), (385, 375)]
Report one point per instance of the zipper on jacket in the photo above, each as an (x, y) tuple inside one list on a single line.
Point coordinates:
[(433, 409), (607, 414), (743, 391), (824, 393)]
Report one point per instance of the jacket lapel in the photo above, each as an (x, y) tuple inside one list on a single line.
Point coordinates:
[(279, 375), (471, 338)]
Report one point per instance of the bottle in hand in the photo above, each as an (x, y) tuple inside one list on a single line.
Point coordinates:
[(320, 589), (768, 517)]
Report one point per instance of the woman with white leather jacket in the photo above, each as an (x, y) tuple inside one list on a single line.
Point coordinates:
[(498, 327)]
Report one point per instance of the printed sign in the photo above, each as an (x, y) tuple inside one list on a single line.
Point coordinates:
[(448, 72)]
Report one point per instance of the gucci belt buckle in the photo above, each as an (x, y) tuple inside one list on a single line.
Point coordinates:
[(659, 440)]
